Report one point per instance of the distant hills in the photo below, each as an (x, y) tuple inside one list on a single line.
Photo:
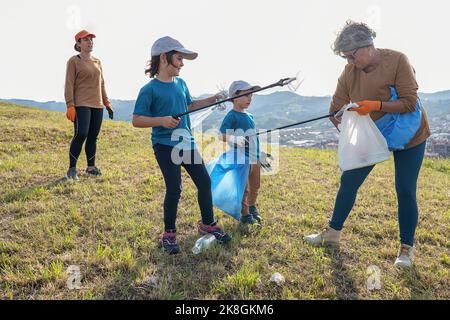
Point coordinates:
[(123, 109), (272, 110)]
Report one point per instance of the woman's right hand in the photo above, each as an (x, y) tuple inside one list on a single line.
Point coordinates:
[(71, 113), (170, 122)]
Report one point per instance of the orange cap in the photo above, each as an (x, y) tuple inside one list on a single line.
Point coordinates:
[(83, 34)]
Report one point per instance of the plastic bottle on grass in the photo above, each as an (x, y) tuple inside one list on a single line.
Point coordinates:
[(203, 243)]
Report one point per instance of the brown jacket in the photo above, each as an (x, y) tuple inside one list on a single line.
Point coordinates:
[(84, 83), (394, 70)]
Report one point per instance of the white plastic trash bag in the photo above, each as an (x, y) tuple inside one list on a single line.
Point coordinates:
[(361, 144)]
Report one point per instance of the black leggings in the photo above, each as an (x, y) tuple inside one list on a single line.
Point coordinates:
[(172, 177), (87, 126)]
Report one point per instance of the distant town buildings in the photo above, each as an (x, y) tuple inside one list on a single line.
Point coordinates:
[(438, 145)]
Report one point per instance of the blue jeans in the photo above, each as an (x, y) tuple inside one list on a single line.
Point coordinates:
[(172, 177), (407, 167)]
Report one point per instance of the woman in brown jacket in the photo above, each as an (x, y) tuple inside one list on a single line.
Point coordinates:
[(368, 80), (85, 96)]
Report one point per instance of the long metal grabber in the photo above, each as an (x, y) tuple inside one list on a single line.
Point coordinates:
[(280, 83), (295, 124)]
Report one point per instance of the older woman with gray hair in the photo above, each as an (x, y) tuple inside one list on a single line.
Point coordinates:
[(382, 82)]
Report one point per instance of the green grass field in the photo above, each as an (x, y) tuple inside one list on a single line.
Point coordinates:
[(109, 226)]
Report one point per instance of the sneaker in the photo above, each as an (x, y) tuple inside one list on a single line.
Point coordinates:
[(214, 229), (93, 171), (72, 174), (254, 212), (169, 242), (327, 236), (405, 256), (248, 219)]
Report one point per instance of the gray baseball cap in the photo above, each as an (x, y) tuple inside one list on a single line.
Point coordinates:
[(240, 85), (167, 44)]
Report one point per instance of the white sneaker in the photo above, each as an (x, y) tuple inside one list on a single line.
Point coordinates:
[(405, 256), (327, 236)]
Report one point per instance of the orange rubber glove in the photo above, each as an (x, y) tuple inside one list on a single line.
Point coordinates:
[(110, 110), (71, 113), (366, 107)]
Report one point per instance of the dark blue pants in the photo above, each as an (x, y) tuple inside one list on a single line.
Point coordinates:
[(87, 126), (407, 167), (172, 178)]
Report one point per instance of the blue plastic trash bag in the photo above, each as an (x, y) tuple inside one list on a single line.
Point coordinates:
[(229, 174), (399, 128)]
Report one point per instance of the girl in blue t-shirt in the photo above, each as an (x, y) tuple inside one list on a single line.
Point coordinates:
[(163, 97)]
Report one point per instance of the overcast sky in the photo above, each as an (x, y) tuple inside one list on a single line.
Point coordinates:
[(258, 41)]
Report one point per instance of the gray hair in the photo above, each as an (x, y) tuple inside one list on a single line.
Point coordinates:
[(353, 36)]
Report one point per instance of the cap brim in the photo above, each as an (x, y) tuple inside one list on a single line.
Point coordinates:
[(245, 89), (187, 54), (250, 88), (85, 36), (89, 35)]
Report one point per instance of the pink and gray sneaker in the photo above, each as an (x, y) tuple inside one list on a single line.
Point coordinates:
[(169, 242), (215, 230)]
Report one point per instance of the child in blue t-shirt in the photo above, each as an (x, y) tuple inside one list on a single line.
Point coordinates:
[(163, 97), (238, 129)]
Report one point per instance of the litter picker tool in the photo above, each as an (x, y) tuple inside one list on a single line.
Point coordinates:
[(280, 83), (332, 114)]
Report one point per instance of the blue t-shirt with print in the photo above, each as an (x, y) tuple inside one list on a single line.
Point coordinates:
[(161, 99), (242, 124)]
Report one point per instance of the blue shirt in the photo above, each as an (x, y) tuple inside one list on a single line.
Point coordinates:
[(242, 124), (161, 99)]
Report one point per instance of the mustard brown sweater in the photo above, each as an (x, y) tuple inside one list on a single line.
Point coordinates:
[(355, 85), (84, 83)]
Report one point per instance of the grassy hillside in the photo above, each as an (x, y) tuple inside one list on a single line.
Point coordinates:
[(109, 225)]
